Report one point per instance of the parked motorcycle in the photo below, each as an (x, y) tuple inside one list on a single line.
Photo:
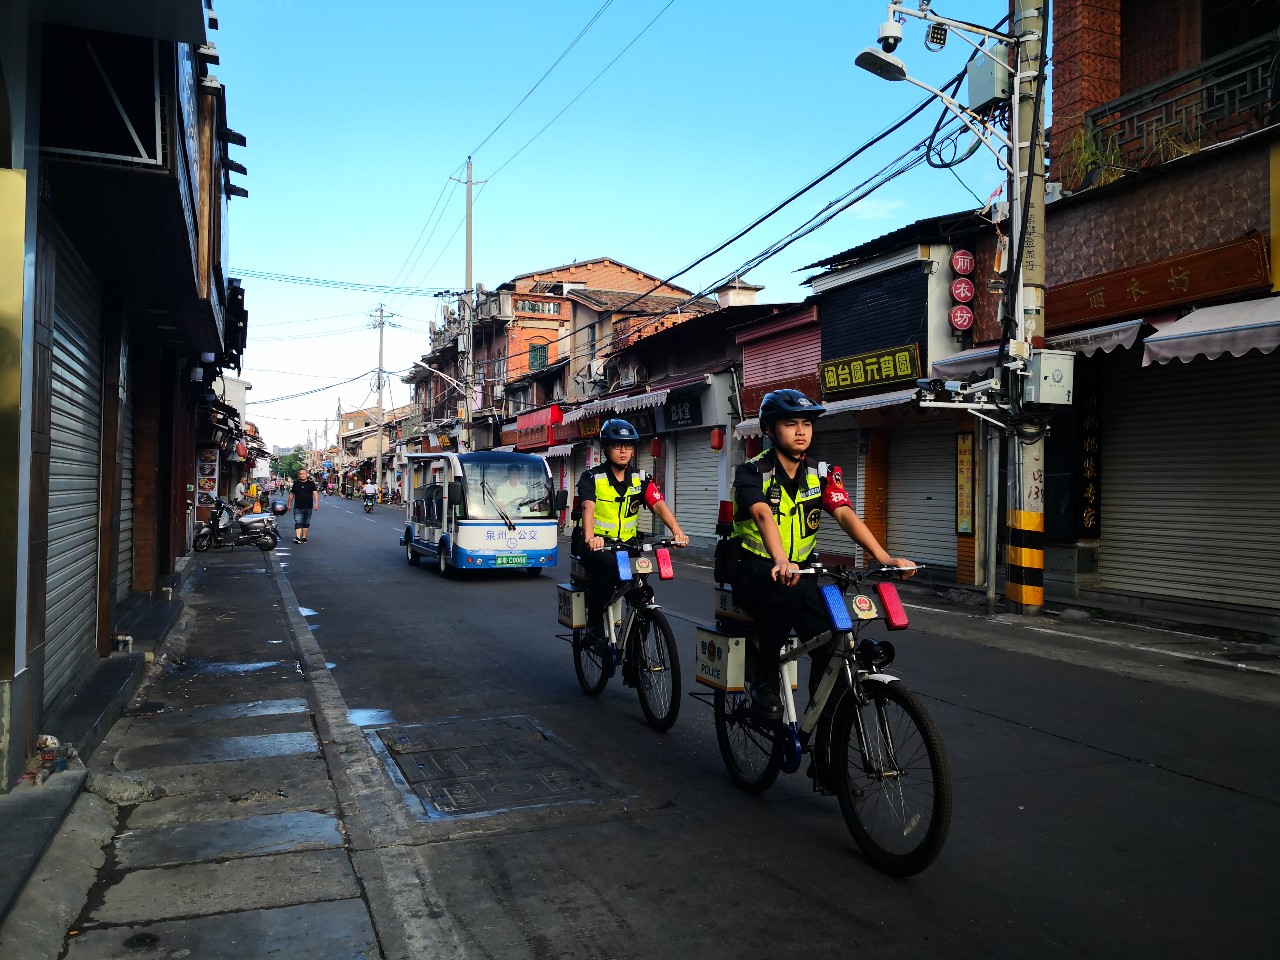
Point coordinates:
[(224, 529), (369, 501)]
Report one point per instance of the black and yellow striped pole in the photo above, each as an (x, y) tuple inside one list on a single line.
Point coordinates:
[(1024, 583)]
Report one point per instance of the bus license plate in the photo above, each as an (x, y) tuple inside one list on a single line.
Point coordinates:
[(519, 561)]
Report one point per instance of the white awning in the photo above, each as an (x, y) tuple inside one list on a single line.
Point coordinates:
[(1234, 328), (975, 360), (1108, 338), (894, 399), (505, 448), (559, 450), (639, 401), (751, 428)]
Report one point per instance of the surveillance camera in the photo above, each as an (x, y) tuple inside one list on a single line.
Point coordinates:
[(890, 35)]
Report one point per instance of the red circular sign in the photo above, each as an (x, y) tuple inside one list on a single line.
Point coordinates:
[(962, 261), (962, 289), (961, 317)]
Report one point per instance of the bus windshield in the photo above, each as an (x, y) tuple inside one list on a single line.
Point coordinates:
[(509, 491)]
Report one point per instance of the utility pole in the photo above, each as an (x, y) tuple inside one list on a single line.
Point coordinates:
[(382, 322), (1025, 551), (465, 340)]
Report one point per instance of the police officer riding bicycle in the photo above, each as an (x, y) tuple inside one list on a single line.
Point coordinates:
[(610, 496), (778, 498)]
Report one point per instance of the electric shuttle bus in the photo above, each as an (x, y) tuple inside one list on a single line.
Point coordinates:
[(480, 511)]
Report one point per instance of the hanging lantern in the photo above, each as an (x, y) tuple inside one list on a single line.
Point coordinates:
[(655, 447), (717, 438)]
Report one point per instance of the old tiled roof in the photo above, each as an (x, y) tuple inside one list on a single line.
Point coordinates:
[(579, 263), (633, 303), (931, 229)]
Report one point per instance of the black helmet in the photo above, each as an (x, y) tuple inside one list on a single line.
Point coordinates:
[(787, 403), (618, 431)]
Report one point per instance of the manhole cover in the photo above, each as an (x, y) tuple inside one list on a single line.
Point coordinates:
[(486, 766)]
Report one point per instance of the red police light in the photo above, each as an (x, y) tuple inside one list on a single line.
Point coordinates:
[(895, 614), (665, 570), (726, 512)]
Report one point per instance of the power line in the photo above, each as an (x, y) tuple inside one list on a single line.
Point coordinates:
[(565, 52), (307, 393), (404, 291)]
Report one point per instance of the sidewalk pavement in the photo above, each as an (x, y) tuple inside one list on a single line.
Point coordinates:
[(210, 825), (221, 816)]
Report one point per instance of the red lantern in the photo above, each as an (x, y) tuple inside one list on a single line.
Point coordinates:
[(717, 438), (655, 447)]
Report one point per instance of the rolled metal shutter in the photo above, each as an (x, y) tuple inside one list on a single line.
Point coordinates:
[(840, 448), (1189, 459), (697, 500), (71, 603), (124, 553), (922, 494)]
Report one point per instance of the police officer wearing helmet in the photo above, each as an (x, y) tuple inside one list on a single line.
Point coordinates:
[(611, 495), (778, 501)]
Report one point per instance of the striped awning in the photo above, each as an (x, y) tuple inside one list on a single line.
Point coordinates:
[(638, 401)]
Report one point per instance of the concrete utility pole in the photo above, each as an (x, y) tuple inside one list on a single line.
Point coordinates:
[(382, 323), (465, 339), (1025, 551)]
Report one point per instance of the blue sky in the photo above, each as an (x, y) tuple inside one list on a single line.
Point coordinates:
[(357, 115)]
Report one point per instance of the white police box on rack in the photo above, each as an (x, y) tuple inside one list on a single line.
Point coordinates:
[(722, 659), (571, 606)]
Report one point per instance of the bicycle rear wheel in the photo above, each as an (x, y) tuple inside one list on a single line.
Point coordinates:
[(653, 645), (589, 663), (751, 748), (895, 793)]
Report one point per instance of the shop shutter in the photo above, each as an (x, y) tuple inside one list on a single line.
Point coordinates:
[(75, 437), (840, 447), (1189, 459), (792, 353), (649, 522), (697, 499), (882, 311), (124, 553), (922, 494)]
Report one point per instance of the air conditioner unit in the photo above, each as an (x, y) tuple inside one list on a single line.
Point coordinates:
[(627, 376), (597, 370), (499, 391)]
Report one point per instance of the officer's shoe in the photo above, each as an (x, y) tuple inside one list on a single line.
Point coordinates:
[(765, 701)]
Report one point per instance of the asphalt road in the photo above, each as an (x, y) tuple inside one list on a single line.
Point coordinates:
[(1107, 803)]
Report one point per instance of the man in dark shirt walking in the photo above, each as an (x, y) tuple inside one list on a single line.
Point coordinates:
[(303, 498)]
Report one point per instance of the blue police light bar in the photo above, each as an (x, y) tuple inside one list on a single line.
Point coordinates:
[(624, 564), (836, 609)]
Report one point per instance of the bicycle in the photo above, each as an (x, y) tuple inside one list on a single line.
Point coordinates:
[(640, 637), (871, 740)]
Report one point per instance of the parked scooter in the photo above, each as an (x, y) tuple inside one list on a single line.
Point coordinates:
[(226, 530)]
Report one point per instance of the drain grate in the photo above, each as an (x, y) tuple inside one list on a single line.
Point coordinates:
[(467, 767)]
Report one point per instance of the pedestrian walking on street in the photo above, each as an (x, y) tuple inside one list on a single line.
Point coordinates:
[(303, 498)]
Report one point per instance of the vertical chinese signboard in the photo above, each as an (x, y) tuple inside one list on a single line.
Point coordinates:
[(1089, 475), (964, 483), (206, 476)]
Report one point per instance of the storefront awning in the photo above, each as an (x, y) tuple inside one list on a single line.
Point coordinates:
[(559, 450), (639, 401), (1234, 328), (1088, 342), (751, 428), (505, 448), (538, 418)]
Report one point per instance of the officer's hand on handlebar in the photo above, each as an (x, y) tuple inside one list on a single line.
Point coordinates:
[(680, 541), (910, 568), (595, 543), (786, 573)]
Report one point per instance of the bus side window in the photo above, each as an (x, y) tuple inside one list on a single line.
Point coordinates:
[(434, 504)]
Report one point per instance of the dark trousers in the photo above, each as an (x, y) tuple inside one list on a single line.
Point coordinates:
[(778, 610), (601, 568)]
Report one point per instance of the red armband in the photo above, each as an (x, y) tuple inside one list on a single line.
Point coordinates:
[(652, 494), (835, 497)]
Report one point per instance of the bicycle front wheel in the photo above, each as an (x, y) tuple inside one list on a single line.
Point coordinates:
[(589, 663), (751, 748), (657, 661), (892, 777)]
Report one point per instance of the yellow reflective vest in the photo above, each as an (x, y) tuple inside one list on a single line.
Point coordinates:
[(797, 519), (618, 514)]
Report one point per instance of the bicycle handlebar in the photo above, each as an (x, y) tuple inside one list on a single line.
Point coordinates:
[(851, 576), (640, 546)]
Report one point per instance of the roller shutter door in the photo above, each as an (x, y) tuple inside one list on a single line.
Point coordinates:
[(922, 494), (74, 469), (840, 447), (1189, 460), (697, 499), (124, 554), (649, 522)]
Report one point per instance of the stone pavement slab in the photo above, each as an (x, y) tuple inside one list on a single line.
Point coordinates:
[(251, 883), (339, 930), (216, 749), (222, 839)]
